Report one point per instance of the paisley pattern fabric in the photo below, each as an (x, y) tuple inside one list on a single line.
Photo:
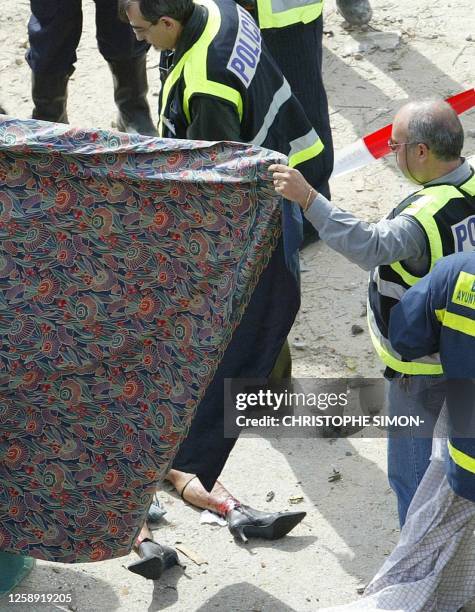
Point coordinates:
[(125, 264)]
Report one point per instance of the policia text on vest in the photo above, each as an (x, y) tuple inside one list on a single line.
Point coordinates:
[(228, 61)]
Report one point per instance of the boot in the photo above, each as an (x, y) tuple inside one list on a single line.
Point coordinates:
[(50, 93), (245, 522), (154, 560), (355, 12), (130, 95)]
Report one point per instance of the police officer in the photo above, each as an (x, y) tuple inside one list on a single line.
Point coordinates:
[(432, 566), (54, 31), (224, 85), (437, 315), (436, 220), (219, 64)]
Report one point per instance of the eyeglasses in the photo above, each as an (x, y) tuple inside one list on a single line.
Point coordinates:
[(140, 29), (394, 146)]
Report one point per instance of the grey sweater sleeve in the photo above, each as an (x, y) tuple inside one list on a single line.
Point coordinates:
[(367, 244)]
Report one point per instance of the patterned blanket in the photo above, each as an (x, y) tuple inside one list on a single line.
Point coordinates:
[(125, 264)]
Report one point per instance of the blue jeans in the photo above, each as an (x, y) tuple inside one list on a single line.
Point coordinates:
[(409, 448)]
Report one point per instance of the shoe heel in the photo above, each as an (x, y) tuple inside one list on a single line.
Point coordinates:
[(171, 558), (245, 522), (238, 533), (155, 559)]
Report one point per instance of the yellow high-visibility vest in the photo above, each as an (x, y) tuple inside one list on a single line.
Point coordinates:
[(283, 13), (439, 209)]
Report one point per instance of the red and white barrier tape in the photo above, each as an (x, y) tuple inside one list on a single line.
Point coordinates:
[(375, 145)]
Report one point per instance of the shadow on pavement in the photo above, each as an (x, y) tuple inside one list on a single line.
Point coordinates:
[(59, 581), (244, 597)]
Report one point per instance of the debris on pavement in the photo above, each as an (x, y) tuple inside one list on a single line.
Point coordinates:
[(335, 477), (270, 496), (295, 499), (191, 554), (211, 518), (356, 329)]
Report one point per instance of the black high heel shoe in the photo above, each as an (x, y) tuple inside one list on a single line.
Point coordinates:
[(244, 522), (155, 559)]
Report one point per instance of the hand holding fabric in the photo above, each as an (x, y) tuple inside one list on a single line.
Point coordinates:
[(290, 183)]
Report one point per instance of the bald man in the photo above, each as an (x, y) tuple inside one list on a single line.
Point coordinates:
[(437, 220)]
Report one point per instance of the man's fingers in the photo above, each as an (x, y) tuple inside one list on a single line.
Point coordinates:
[(280, 176), (277, 168)]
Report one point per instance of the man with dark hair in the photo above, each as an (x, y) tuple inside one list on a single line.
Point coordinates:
[(224, 85), (241, 90), (153, 11), (54, 31), (436, 220), (283, 25)]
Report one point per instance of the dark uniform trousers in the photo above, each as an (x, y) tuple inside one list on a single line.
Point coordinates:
[(55, 29), (303, 71)]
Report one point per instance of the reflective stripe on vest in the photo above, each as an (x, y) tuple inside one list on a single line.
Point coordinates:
[(469, 186), (193, 64), (387, 288), (282, 13), (280, 98), (304, 148), (427, 366), (461, 459), (423, 209), (457, 322)]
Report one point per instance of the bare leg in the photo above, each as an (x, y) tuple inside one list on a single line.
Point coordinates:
[(145, 533), (189, 486), (243, 521)]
